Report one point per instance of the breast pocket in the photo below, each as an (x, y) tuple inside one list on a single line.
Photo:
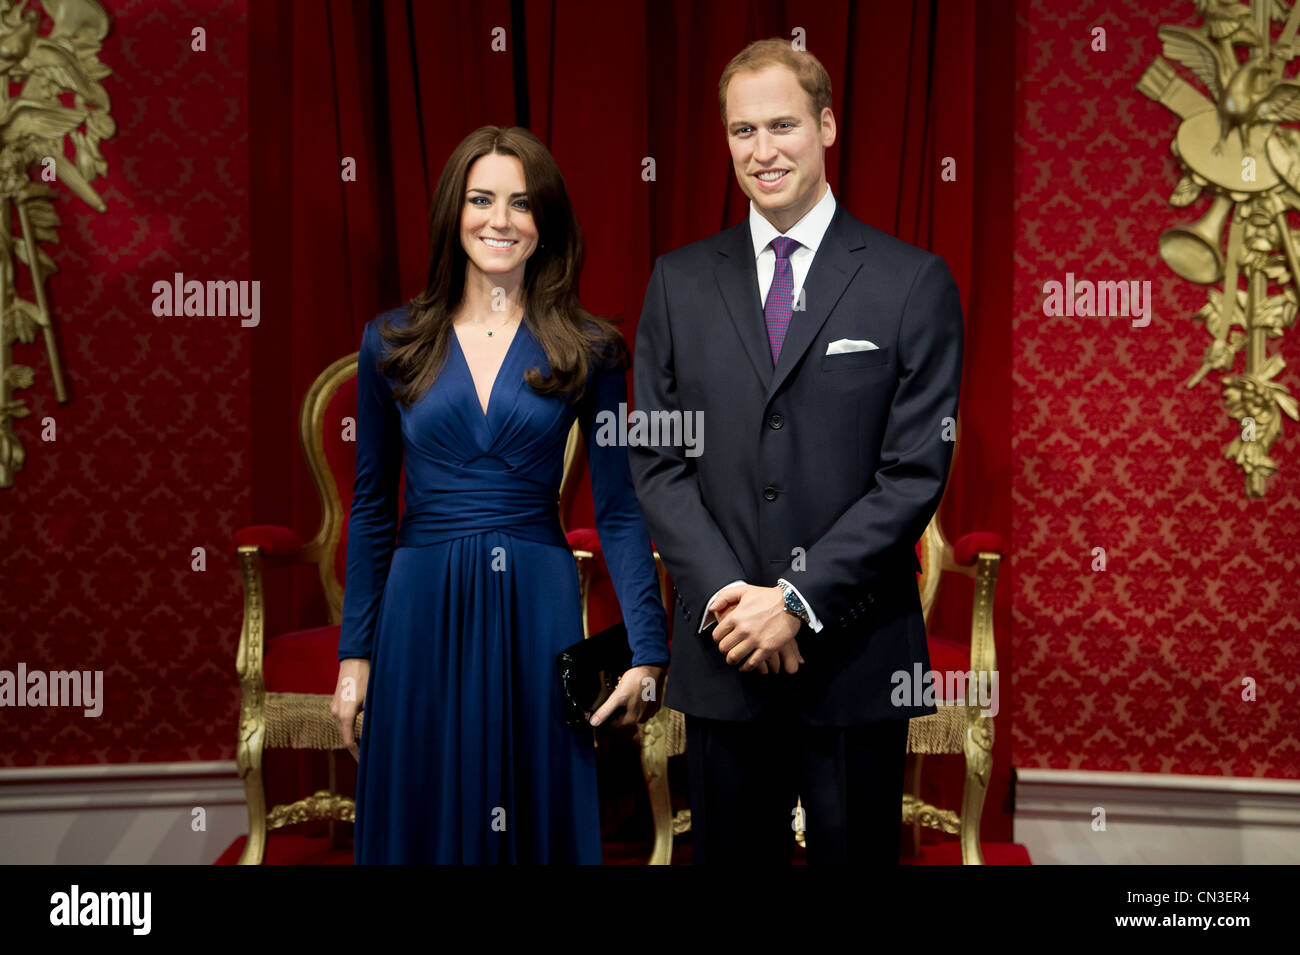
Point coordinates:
[(856, 359)]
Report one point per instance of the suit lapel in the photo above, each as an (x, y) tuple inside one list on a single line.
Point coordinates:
[(833, 267), (737, 279)]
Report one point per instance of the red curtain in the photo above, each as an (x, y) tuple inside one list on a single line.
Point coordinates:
[(396, 85)]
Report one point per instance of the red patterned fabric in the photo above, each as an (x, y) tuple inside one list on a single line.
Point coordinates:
[(1138, 667), (99, 569)]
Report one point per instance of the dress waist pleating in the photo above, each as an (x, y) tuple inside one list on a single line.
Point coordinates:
[(526, 512)]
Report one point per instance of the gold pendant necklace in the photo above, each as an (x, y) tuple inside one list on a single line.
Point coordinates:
[(493, 331)]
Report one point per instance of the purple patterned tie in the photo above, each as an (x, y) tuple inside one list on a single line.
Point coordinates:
[(780, 297)]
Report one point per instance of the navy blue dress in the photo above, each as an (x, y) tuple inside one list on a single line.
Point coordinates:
[(465, 757)]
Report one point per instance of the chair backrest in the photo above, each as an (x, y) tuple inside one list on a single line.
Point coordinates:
[(329, 444), (327, 431), (931, 550), (572, 478)]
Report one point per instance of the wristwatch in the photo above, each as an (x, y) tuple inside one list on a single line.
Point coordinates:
[(793, 605)]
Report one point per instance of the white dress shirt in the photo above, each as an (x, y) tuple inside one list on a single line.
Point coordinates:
[(808, 232)]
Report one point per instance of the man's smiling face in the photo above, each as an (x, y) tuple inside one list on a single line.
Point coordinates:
[(778, 147)]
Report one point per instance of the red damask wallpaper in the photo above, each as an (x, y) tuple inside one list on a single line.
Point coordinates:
[(1140, 667), (150, 462)]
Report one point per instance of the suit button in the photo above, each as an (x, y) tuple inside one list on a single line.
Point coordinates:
[(775, 421), (769, 493)]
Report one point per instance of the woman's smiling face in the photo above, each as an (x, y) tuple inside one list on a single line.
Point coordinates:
[(496, 226)]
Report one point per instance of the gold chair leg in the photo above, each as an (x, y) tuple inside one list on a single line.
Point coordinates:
[(249, 760), (654, 766), (978, 745), (252, 708), (915, 788), (979, 762), (336, 837)]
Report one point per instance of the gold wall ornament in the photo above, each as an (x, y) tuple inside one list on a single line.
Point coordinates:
[(33, 126), (1232, 148)]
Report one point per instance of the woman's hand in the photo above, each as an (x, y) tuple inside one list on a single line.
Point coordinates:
[(639, 691), (349, 696)]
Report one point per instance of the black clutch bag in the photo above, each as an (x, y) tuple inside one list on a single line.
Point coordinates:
[(589, 672)]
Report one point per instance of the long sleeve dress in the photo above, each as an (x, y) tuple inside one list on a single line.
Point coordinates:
[(465, 757)]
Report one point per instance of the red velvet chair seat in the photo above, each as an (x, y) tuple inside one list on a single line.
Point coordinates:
[(303, 661), (948, 656)]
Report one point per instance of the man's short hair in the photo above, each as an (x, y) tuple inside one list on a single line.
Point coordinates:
[(807, 69)]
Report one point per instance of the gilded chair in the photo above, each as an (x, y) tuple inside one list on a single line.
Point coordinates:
[(655, 736), (584, 542), (287, 679), (958, 727)]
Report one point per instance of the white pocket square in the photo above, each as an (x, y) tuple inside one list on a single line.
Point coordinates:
[(845, 345)]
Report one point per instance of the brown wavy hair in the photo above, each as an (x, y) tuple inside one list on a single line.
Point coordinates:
[(572, 338)]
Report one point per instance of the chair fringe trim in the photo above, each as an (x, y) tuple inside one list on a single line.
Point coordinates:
[(942, 732), (675, 733), (302, 721)]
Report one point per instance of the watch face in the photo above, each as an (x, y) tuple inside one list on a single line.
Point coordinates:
[(792, 604)]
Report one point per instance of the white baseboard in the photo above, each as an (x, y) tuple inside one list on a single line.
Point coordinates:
[(1153, 818), (142, 813), (133, 814)]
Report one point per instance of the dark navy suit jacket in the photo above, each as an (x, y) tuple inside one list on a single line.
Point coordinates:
[(824, 469)]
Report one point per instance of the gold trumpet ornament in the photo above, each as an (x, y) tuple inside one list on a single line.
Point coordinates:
[(33, 125), (1231, 146)]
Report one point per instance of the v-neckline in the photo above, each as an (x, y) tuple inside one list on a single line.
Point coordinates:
[(492, 389)]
